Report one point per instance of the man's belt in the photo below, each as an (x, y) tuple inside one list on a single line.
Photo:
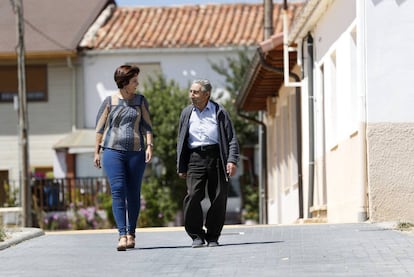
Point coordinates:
[(205, 148)]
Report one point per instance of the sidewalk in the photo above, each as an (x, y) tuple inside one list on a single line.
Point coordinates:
[(17, 235), (361, 249)]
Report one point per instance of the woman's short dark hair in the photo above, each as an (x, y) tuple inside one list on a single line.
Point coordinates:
[(124, 73)]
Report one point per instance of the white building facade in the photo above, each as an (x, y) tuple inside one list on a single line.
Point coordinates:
[(339, 132), (363, 123)]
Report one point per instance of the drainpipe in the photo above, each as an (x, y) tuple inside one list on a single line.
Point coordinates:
[(299, 142), (363, 213), (309, 65), (281, 71)]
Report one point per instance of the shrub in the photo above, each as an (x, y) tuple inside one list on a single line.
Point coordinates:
[(87, 218), (105, 201), (2, 234), (157, 204), (251, 203), (75, 219), (12, 194), (56, 221)]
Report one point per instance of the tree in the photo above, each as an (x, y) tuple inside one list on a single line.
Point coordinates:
[(164, 194), (235, 70)]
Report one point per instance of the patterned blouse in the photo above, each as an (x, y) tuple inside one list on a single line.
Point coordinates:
[(123, 123)]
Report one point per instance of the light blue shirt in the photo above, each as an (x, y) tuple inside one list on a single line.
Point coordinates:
[(203, 128)]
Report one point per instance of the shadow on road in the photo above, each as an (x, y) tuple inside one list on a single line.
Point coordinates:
[(221, 245)]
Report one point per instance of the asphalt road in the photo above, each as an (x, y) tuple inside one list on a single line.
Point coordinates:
[(361, 249)]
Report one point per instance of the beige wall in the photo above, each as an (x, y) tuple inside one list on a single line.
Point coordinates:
[(343, 169), (41, 153), (282, 173), (48, 122), (391, 171)]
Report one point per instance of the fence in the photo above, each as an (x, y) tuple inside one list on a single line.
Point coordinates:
[(58, 194)]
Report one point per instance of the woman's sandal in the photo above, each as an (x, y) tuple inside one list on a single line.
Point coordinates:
[(122, 243), (130, 241)]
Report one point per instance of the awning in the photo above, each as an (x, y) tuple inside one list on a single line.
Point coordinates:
[(265, 76), (79, 141)]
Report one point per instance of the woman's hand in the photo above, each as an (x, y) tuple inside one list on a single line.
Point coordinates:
[(148, 154), (97, 156), (97, 160)]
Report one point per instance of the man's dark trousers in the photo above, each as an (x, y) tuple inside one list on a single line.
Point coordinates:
[(205, 168)]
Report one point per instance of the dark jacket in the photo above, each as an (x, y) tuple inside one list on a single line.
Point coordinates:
[(229, 147)]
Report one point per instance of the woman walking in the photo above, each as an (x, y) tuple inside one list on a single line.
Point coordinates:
[(122, 123)]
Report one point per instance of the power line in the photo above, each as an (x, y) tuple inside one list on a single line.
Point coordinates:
[(40, 32), (37, 30)]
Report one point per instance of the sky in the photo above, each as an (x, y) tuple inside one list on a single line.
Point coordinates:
[(180, 2)]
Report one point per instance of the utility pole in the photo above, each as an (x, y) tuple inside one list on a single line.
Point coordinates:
[(22, 115)]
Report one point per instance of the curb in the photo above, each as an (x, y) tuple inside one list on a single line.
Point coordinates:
[(19, 235)]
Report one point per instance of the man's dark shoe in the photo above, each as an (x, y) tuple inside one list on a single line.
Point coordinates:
[(213, 244), (197, 242)]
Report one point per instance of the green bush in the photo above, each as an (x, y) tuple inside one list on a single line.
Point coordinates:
[(251, 203), (74, 219), (2, 234), (11, 195), (87, 218), (157, 204), (105, 201), (167, 190)]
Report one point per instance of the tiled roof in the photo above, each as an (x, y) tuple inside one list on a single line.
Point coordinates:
[(52, 28), (265, 75), (189, 26)]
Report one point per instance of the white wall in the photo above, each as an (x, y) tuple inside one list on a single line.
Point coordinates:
[(335, 109), (85, 168), (390, 128), (59, 164), (337, 162), (377, 45), (390, 60), (182, 66), (282, 155)]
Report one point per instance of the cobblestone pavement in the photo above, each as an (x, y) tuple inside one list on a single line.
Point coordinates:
[(361, 249)]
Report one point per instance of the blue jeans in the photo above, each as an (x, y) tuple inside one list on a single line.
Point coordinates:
[(125, 170)]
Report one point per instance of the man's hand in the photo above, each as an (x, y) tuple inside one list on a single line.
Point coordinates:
[(231, 169), (182, 175)]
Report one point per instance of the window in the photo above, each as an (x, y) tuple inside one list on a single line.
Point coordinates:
[(36, 83), (147, 71)]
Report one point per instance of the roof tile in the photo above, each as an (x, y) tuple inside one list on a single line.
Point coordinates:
[(188, 26)]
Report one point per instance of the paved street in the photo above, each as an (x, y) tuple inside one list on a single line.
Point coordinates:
[(261, 250)]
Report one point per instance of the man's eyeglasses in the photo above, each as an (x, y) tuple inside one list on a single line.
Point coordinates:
[(195, 91)]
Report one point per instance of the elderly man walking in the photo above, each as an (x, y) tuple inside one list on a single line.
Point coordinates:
[(207, 155)]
